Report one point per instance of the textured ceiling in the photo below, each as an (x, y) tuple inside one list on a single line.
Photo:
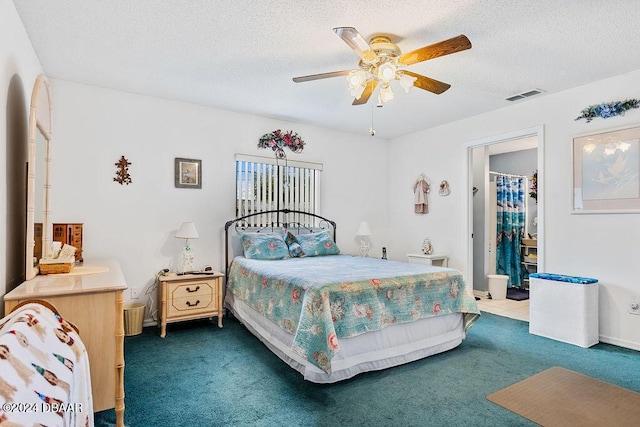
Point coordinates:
[(241, 55)]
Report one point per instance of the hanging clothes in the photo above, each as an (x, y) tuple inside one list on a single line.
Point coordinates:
[(420, 192), (510, 227)]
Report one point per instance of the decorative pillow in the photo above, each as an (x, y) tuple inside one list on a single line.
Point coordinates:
[(295, 250), (264, 246), (318, 244)]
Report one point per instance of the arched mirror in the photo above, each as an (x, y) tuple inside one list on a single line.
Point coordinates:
[(38, 174)]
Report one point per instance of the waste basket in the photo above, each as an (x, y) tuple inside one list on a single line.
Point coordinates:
[(497, 286), (133, 318)]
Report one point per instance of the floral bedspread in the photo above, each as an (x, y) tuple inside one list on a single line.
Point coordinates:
[(323, 299), (44, 371)]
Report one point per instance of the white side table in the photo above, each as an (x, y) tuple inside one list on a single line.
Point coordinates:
[(438, 260)]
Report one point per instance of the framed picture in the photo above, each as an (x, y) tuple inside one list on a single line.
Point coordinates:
[(606, 172), (188, 173)]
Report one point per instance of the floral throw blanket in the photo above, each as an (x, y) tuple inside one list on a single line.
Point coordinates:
[(44, 371), (322, 299)]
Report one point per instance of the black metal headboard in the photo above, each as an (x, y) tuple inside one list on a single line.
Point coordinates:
[(276, 219)]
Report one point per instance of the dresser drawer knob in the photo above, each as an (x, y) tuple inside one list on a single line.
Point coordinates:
[(193, 290), (194, 304)]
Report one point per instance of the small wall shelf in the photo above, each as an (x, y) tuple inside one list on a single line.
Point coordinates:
[(439, 260)]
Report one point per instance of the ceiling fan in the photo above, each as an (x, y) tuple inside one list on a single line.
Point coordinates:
[(381, 62)]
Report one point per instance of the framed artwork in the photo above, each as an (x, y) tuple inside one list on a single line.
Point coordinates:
[(188, 173), (606, 172)]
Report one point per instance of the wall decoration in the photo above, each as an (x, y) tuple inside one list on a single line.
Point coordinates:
[(278, 140), (606, 172), (122, 171), (606, 110), (445, 190), (188, 173), (420, 193)]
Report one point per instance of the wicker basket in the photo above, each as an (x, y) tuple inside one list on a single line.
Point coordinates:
[(56, 266)]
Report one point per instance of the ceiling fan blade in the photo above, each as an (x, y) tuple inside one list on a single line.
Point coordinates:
[(321, 76), (446, 47), (368, 90), (352, 37), (427, 83)]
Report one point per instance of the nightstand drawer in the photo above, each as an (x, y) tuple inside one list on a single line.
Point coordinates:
[(192, 289), (191, 305), (191, 297)]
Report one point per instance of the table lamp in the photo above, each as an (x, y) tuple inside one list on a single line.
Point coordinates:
[(364, 231), (187, 231)]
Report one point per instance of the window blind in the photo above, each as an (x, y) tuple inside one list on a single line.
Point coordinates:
[(265, 183)]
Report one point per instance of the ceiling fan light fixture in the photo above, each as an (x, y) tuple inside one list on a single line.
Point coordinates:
[(356, 78), (406, 81), (386, 94), (357, 92), (387, 72)]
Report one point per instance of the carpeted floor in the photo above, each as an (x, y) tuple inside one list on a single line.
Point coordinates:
[(200, 375)]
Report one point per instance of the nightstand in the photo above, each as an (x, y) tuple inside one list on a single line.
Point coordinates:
[(434, 259), (190, 296)]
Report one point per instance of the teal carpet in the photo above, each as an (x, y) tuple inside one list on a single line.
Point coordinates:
[(200, 375)]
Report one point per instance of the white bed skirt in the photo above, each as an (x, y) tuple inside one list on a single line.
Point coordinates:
[(392, 346)]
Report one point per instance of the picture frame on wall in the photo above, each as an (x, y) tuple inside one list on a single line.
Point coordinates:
[(188, 173), (606, 171)]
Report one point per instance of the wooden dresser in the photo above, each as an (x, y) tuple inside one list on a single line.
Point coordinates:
[(92, 298), (71, 234)]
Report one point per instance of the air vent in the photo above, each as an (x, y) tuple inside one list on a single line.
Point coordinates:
[(525, 95)]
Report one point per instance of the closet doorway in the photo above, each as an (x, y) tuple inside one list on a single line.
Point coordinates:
[(504, 153)]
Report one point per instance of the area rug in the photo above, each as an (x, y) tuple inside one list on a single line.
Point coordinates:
[(560, 397), (517, 294)]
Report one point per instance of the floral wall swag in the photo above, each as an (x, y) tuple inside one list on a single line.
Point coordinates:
[(606, 110), (278, 140)]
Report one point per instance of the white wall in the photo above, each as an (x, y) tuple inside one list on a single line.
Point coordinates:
[(18, 64), (600, 246), (135, 223)]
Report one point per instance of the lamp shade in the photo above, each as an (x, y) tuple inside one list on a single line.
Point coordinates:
[(364, 229), (187, 231)]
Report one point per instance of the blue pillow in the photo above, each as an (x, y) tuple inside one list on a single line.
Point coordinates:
[(264, 246), (318, 244), (295, 250)]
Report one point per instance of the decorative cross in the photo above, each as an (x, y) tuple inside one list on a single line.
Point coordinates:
[(122, 173)]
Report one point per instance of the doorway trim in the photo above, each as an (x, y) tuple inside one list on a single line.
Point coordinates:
[(537, 132)]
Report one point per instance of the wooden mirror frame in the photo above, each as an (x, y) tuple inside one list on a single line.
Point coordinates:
[(39, 121)]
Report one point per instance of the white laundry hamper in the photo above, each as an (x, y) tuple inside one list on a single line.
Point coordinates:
[(564, 308)]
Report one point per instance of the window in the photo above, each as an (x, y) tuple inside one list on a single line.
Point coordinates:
[(264, 184)]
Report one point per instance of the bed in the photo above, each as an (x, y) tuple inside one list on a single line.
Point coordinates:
[(331, 316), (44, 369)]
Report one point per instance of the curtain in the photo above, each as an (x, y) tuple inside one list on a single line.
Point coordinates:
[(510, 227)]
